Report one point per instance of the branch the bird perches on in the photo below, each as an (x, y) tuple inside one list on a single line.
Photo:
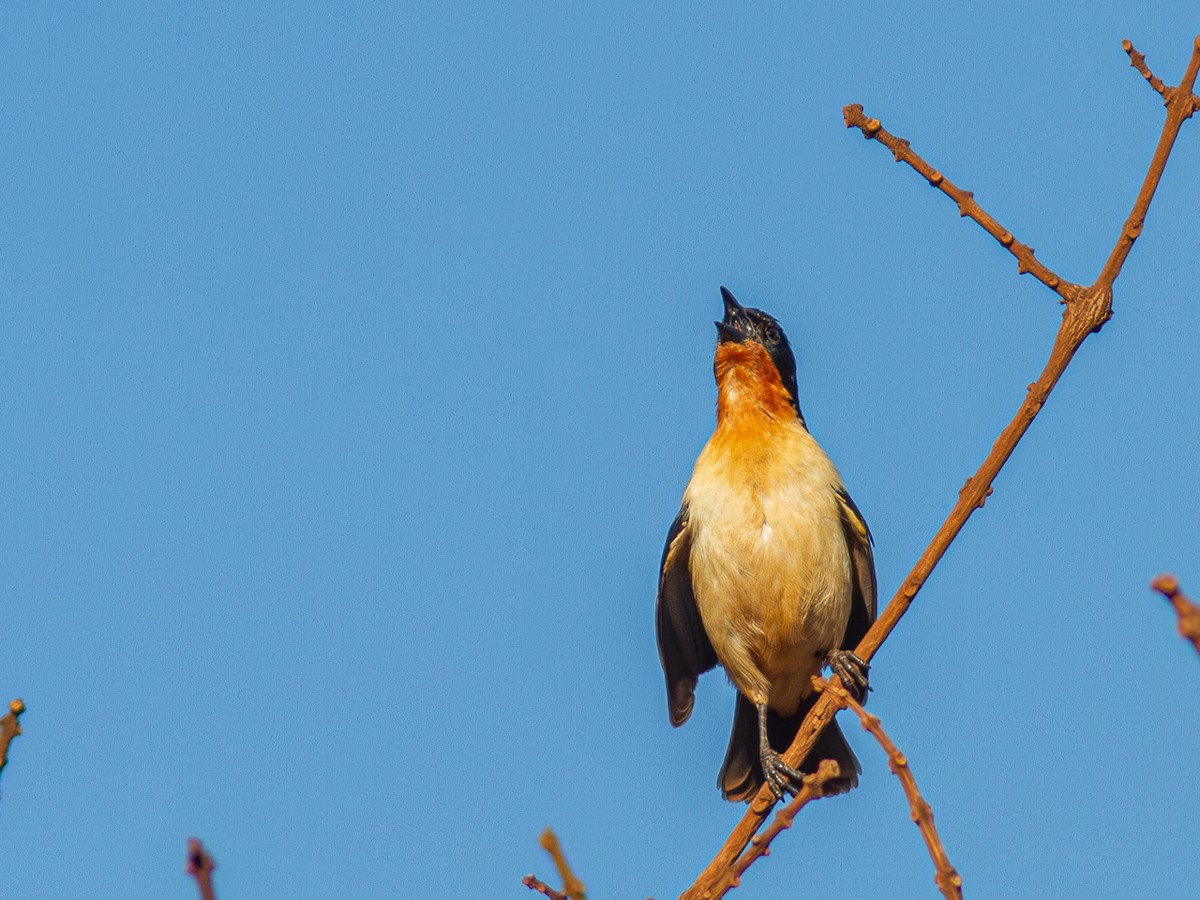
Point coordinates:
[(1087, 308)]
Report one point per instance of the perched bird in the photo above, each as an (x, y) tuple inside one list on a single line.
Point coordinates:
[(768, 568)]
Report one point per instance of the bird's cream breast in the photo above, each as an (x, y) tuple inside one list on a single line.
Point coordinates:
[(769, 563)]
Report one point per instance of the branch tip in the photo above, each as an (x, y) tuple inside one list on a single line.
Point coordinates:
[(1188, 612), (10, 727), (534, 883), (854, 117), (200, 865), (1166, 584), (1138, 61)]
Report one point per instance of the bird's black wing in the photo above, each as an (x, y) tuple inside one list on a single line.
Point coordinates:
[(683, 646), (862, 571)]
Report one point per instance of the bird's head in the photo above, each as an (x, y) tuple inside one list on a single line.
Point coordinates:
[(745, 325)]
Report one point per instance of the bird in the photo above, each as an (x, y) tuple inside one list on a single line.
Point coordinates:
[(768, 568)]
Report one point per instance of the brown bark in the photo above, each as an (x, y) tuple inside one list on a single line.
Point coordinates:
[(10, 727), (1188, 612), (572, 886), (200, 866)]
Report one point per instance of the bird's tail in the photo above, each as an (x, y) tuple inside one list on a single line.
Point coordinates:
[(741, 774)]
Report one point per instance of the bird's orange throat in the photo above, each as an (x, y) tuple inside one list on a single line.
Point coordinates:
[(748, 383)]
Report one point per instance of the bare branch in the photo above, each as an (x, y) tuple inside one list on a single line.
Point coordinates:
[(572, 886), (536, 884), (1189, 612), (10, 727), (947, 879), (965, 200), (1087, 309), (200, 866)]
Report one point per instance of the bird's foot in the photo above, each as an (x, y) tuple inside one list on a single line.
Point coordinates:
[(781, 778), (852, 670)]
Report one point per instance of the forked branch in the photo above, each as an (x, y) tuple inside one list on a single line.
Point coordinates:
[(1086, 311), (573, 888), (812, 788), (1188, 612)]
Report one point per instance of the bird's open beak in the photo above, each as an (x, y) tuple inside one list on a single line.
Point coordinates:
[(732, 329)]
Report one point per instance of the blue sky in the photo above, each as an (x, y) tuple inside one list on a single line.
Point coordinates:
[(353, 359)]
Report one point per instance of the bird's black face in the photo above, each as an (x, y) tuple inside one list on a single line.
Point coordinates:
[(742, 323)]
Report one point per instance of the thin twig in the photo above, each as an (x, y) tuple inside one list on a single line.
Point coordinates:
[(10, 727), (200, 866), (572, 886), (947, 879), (1086, 311), (1189, 612), (536, 884), (1180, 103), (812, 788), (965, 200), (1138, 61)]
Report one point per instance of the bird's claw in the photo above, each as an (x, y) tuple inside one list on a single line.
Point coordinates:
[(852, 670), (780, 777)]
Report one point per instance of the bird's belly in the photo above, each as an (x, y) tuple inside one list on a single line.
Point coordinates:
[(771, 576)]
